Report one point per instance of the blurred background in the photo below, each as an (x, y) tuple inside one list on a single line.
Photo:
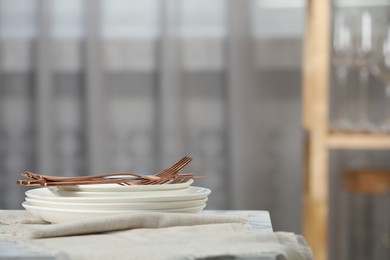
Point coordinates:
[(94, 86)]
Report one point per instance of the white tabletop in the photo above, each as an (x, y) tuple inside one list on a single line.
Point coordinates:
[(258, 220)]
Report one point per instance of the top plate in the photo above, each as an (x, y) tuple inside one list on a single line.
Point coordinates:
[(192, 193), (119, 188)]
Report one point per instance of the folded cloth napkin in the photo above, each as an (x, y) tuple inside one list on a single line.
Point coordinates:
[(26, 226), (153, 236)]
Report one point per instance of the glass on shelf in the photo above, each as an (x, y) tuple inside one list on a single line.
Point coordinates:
[(342, 61), (381, 69), (363, 59)]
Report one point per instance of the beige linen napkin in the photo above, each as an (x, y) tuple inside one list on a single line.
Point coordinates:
[(24, 225), (167, 236), (214, 241)]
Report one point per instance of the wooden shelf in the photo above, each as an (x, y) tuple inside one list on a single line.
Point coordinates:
[(358, 140), (319, 139)]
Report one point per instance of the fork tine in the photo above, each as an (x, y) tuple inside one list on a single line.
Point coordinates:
[(184, 161), (175, 168)]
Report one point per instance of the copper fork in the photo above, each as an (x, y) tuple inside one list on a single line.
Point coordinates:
[(166, 175), (169, 173), (175, 168), (48, 178)]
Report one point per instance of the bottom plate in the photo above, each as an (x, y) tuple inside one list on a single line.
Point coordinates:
[(117, 206), (53, 215)]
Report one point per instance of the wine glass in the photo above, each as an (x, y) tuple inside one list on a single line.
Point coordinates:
[(364, 57), (342, 60), (381, 69)]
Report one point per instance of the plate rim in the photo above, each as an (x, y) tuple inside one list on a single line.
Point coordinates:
[(80, 204)]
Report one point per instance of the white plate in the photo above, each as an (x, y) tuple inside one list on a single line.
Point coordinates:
[(119, 188), (117, 206), (192, 193), (64, 215)]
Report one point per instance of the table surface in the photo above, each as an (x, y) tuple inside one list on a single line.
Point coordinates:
[(258, 220)]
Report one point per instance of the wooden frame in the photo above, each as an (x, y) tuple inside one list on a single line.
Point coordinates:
[(315, 119)]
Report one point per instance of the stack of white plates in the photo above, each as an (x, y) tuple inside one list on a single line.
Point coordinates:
[(67, 203)]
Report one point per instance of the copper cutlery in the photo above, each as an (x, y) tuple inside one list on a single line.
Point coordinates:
[(169, 175)]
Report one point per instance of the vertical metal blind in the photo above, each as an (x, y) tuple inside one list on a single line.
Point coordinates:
[(90, 86)]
